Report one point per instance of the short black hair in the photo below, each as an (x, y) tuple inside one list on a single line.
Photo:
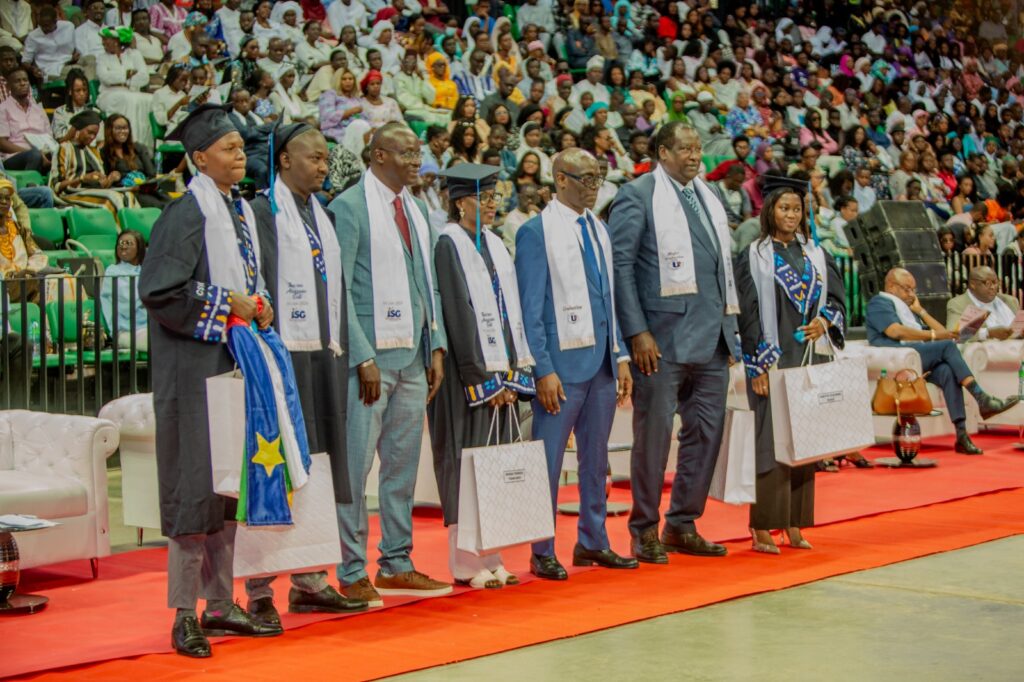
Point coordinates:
[(666, 137), (434, 132), (637, 133), (843, 201)]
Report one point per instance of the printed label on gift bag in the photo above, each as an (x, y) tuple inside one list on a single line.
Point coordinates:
[(830, 397), (514, 475)]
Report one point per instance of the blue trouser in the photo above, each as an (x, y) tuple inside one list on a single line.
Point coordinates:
[(698, 393), (36, 197), (393, 427), (589, 409), (947, 371)]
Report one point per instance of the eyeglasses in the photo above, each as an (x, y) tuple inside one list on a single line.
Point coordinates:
[(408, 157), (126, 242), (588, 181), (491, 198), (695, 150)]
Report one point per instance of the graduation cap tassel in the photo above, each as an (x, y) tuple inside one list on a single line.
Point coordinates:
[(810, 215), (270, 191), (478, 216)]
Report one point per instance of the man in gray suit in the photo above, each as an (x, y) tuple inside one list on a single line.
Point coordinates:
[(396, 375), (679, 318)]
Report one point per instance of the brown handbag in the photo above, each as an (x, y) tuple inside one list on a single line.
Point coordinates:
[(904, 393)]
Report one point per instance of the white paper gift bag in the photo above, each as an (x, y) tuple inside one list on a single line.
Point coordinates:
[(504, 496), (820, 411), (735, 477), (225, 408), (311, 542)]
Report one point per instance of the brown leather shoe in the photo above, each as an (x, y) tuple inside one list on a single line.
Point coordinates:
[(362, 590), (410, 583), (647, 548), (689, 543)]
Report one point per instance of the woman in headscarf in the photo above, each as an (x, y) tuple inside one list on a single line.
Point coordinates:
[(506, 52), (377, 109), (122, 73), (677, 108), (241, 70), (325, 77), (286, 103), (289, 17), (340, 106), (440, 77), (19, 255), (78, 177), (382, 37), (531, 136)]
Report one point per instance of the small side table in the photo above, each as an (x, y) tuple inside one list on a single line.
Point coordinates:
[(12, 604)]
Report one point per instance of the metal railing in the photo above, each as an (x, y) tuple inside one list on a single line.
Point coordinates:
[(59, 352)]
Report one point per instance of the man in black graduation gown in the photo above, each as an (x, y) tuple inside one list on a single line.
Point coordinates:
[(296, 252), (182, 286)]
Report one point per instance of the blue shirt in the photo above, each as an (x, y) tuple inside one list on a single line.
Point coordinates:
[(122, 271)]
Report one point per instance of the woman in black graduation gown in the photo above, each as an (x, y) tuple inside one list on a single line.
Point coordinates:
[(460, 415), (808, 301)]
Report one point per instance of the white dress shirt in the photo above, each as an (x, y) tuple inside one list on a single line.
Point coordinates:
[(1000, 315), (51, 52), (87, 39)]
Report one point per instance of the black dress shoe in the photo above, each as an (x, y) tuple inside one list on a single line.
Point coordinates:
[(605, 558), (647, 548), (965, 446), (188, 639), (990, 406), (689, 543), (547, 567), (327, 600), (235, 621), (264, 611)]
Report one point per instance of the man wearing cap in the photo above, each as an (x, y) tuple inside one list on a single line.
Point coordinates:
[(202, 265), (566, 286), (300, 260), (593, 82), (476, 80), (396, 347), (677, 299)]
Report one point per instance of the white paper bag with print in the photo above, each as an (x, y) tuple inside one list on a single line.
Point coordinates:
[(312, 542), (820, 411), (504, 496), (735, 477), (225, 408)]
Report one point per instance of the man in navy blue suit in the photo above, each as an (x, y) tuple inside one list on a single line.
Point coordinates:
[(566, 286), (676, 298)]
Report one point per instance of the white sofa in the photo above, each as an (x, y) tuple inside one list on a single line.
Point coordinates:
[(55, 466), (995, 365)]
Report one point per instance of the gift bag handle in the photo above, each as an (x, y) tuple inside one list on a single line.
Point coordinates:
[(809, 350)]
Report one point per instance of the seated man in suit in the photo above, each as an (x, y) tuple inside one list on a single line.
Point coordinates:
[(563, 262), (983, 292), (896, 317), (255, 133)]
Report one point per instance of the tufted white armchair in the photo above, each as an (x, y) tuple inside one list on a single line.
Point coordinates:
[(995, 365), (55, 466)]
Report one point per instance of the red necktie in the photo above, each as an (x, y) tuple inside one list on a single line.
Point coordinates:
[(402, 222)]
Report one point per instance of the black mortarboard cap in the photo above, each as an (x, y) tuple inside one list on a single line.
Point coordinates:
[(279, 138), (467, 179), (772, 183), (202, 127), (85, 118)]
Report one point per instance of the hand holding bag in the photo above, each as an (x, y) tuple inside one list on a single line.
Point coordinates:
[(504, 493), (904, 393)]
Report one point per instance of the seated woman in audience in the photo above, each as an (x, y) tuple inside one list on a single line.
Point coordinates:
[(340, 106), (78, 177), (377, 109), (446, 92), (123, 74), (466, 111), (483, 384), (132, 160), (260, 86), (465, 144), (287, 104), (130, 251), (240, 71), (776, 322), (965, 196), (171, 102), (326, 76), (528, 170), (531, 137), (19, 255), (981, 246), (499, 115), (860, 151), (76, 99)]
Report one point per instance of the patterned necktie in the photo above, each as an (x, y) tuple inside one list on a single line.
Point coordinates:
[(589, 256), (402, 222), (691, 200)]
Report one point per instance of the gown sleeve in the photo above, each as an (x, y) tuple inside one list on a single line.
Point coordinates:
[(168, 285), (758, 355), (835, 303), (478, 384)]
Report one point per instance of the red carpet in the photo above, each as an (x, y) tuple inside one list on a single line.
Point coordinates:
[(121, 614)]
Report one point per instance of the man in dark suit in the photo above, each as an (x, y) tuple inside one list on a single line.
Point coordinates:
[(680, 342), (576, 368)]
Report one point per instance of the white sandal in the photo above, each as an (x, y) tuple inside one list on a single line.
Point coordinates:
[(505, 577), (484, 580)]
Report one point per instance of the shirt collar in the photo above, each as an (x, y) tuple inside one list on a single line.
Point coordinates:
[(386, 191)]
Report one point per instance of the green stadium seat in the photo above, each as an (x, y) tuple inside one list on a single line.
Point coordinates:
[(48, 223), (95, 242), (87, 221), (32, 321), (140, 219), (25, 178), (420, 128)]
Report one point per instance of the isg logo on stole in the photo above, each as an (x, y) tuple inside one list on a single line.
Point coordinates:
[(298, 314), (394, 313)]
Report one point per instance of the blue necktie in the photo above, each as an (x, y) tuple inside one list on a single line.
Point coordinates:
[(589, 256)]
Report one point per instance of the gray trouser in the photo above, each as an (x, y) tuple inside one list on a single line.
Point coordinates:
[(260, 588), (200, 565)]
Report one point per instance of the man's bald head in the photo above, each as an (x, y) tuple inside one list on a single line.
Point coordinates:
[(983, 283), (395, 155), (577, 178), (900, 283), (572, 160)]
